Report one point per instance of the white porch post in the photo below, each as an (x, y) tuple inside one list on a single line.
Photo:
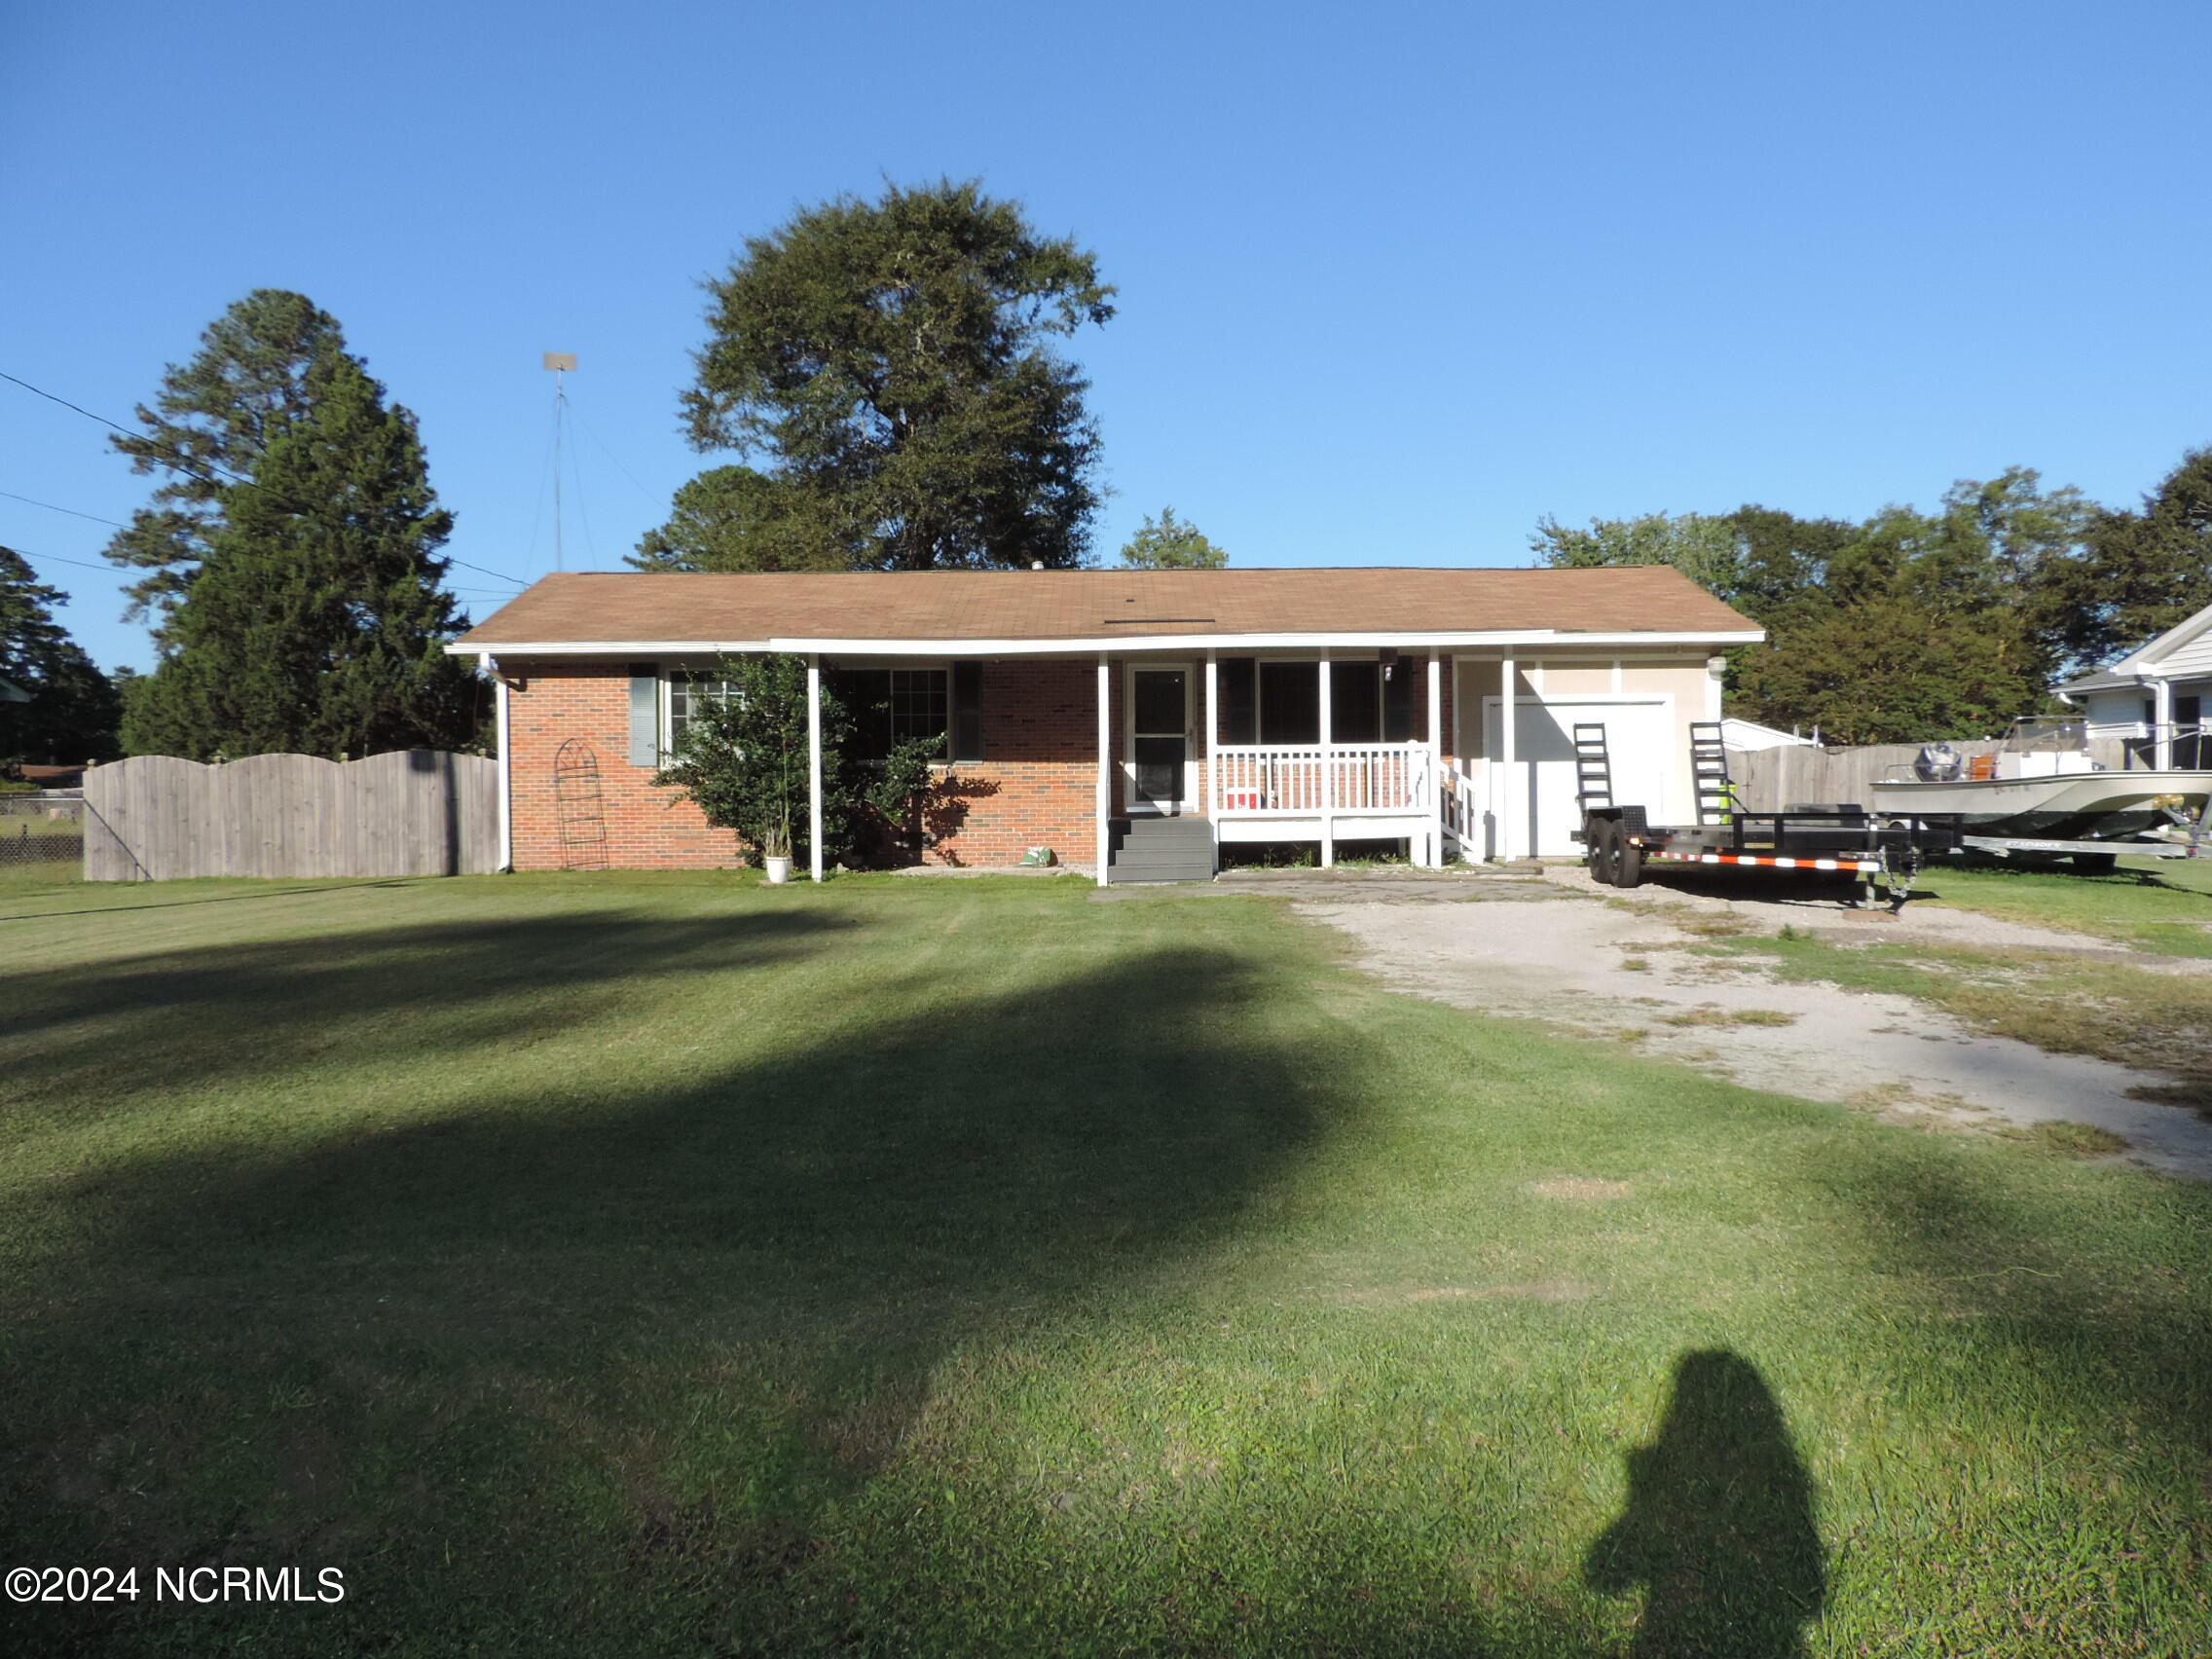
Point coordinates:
[(1328, 773), (814, 763), (1105, 760), (1436, 759), (2164, 734), (1213, 737), (1508, 819), (506, 763)]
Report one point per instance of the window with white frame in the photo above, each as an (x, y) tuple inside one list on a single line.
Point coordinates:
[(688, 694), (891, 705)]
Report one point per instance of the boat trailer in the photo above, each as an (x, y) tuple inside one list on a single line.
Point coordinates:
[(1843, 846)]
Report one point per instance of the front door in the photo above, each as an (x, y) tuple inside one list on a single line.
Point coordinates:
[(1159, 700)]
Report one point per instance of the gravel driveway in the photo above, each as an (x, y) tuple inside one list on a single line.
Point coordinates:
[(1548, 947)]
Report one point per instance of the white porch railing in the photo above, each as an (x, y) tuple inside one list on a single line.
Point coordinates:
[(1289, 780), (1464, 811)]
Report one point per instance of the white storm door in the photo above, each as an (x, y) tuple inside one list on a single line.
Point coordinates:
[(1160, 740)]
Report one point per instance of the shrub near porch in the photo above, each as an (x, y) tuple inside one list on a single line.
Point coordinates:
[(674, 1265)]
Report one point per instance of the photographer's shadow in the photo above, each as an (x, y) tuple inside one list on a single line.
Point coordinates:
[(1719, 1526)]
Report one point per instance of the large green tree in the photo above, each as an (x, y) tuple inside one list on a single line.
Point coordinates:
[(1170, 543), (1702, 547), (315, 621), (1909, 625), (74, 709), (2142, 572), (1908, 634), (736, 518), (891, 366), (213, 416)]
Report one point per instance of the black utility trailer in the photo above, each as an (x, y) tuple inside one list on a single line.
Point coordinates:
[(1842, 846)]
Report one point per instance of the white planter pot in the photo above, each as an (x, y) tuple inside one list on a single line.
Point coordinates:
[(779, 870)]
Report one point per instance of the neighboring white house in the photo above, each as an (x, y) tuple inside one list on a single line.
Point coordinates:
[(1743, 734), (2153, 698)]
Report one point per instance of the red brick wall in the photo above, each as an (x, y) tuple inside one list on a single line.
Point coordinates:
[(1037, 785), (645, 829), (1036, 788)]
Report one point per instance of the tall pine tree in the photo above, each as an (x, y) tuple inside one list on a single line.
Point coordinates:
[(316, 620), (217, 414)]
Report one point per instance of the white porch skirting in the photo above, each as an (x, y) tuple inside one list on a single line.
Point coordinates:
[(1341, 825)]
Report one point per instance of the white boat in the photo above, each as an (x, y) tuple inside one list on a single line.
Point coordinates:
[(2043, 782)]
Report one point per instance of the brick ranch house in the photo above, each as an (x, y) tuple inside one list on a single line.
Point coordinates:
[(1132, 720)]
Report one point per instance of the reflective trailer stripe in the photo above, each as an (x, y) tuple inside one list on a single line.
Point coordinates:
[(1861, 865)]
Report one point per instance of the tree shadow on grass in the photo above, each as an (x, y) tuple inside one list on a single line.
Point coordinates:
[(617, 1372), (1719, 1526), (440, 987)]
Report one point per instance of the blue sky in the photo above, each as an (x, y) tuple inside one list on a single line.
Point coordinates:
[(1395, 279)]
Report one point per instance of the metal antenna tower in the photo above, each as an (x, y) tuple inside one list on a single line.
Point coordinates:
[(562, 364)]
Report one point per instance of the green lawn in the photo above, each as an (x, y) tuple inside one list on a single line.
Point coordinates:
[(2158, 905), (678, 1266)]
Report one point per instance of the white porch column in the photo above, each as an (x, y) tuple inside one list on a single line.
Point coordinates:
[(1213, 736), (1508, 820), (1328, 773), (1105, 760), (814, 763), (506, 763), (2164, 692), (1436, 758)]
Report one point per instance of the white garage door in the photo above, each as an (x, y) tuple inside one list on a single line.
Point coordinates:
[(1640, 736)]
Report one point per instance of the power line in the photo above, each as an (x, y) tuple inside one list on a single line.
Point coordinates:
[(578, 416), (57, 559), (71, 511), (66, 404), (190, 462), (482, 571)]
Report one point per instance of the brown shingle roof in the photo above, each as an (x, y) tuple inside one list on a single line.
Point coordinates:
[(1038, 607)]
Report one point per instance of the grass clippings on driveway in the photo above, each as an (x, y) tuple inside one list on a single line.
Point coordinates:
[(632, 1266)]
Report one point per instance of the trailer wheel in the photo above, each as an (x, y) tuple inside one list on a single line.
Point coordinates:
[(1603, 836), (2096, 864), (1628, 861)]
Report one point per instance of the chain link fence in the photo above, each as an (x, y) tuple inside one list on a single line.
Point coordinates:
[(41, 837)]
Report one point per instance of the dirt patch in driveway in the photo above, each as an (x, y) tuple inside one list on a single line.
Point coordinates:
[(1566, 963)]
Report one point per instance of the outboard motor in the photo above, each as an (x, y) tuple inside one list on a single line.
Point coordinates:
[(1939, 763)]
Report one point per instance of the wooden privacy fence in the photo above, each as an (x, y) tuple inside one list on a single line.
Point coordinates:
[(412, 812), (1768, 780)]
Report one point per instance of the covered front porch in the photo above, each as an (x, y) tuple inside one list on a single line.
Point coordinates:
[(1182, 753), (1317, 746)]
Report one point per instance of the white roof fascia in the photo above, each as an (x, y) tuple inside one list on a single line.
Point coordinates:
[(1089, 647), (2145, 656)]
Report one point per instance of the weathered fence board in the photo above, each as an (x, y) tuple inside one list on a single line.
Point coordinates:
[(1768, 780), (412, 812)]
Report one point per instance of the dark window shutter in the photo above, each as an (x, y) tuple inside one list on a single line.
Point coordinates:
[(1240, 681), (1398, 701), (644, 714), (967, 710)]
